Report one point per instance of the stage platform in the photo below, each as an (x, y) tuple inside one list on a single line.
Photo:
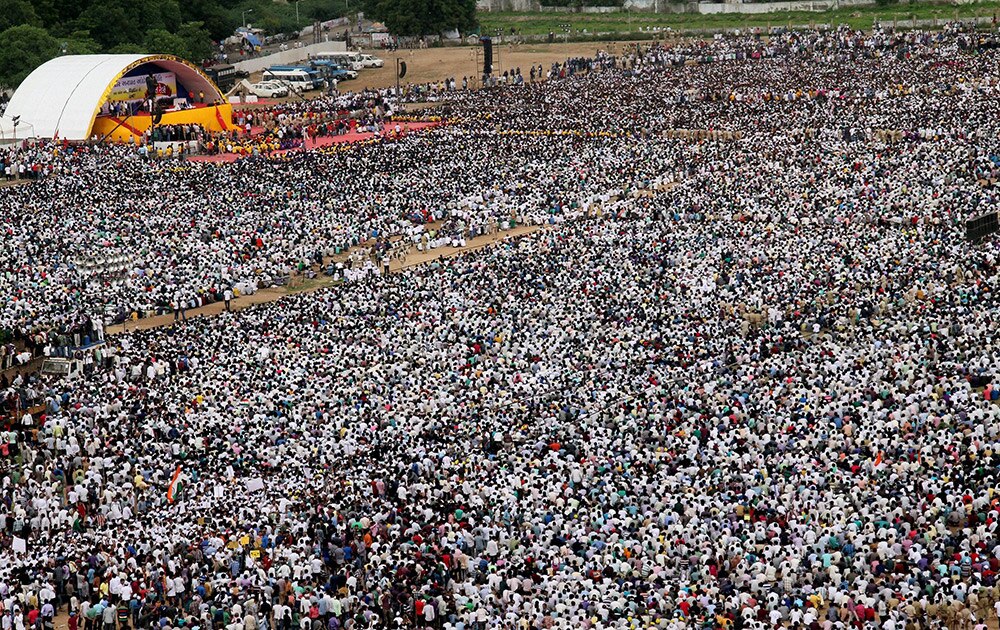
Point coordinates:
[(124, 129)]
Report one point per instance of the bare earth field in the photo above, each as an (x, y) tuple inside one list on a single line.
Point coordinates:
[(436, 64)]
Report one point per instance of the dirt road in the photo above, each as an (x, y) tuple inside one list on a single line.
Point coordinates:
[(299, 285)]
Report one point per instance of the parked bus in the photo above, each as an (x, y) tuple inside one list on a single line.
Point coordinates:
[(300, 78), (350, 60)]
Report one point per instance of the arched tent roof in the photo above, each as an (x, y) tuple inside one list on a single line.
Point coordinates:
[(63, 96)]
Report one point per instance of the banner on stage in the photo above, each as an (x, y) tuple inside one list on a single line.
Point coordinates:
[(134, 88)]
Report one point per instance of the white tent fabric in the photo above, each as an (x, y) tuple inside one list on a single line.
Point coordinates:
[(63, 96)]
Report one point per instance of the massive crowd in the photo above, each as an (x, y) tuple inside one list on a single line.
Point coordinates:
[(744, 376)]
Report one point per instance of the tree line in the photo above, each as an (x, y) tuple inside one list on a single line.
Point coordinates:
[(34, 31)]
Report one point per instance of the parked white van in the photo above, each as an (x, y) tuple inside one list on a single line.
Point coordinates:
[(298, 80)]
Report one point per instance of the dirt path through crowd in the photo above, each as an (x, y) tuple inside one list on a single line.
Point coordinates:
[(300, 284)]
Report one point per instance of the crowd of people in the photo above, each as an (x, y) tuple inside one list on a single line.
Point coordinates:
[(740, 373)]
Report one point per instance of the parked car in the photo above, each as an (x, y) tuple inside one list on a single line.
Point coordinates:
[(339, 74), (282, 88), (269, 89), (371, 61)]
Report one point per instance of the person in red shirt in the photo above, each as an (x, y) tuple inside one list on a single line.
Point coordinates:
[(685, 607)]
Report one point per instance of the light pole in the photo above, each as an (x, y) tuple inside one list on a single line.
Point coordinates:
[(16, 120), (297, 13), (245, 11)]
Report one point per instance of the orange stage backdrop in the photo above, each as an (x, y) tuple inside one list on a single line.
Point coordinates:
[(213, 118)]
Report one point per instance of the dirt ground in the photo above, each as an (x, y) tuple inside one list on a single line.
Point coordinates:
[(300, 285), (435, 64)]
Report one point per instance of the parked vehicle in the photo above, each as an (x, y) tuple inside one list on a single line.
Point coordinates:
[(269, 89), (349, 60), (224, 76), (371, 61), (338, 72), (301, 78)]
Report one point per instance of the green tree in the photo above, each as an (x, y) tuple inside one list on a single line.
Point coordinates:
[(128, 49), (271, 16), (17, 12), (113, 22), (197, 40), (22, 49), (212, 14), (270, 23), (160, 41), (182, 27), (162, 14), (425, 17), (80, 43), (57, 15)]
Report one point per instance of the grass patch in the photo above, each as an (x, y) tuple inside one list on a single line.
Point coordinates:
[(623, 22)]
